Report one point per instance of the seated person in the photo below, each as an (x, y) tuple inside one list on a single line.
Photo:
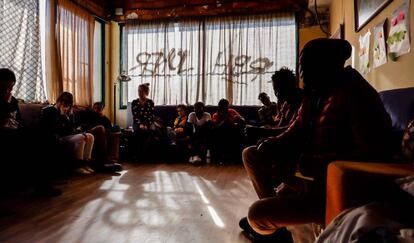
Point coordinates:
[(201, 125), (180, 130), (20, 149), (105, 149), (227, 134), (268, 111), (341, 118), (146, 131), (180, 124), (58, 124), (289, 98)]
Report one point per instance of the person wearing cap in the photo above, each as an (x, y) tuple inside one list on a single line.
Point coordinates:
[(341, 118)]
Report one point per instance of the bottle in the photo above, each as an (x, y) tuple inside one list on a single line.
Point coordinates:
[(208, 159)]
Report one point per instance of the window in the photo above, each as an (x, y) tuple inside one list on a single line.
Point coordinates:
[(99, 62), (207, 59), (20, 47)]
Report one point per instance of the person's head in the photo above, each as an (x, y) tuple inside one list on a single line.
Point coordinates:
[(199, 107), (64, 102), (322, 61), (223, 106), (143, 90), (284, 83), (98, 107), (265, 99), (181, 110), (7, 81)]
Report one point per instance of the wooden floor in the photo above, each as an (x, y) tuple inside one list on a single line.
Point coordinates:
[(145, 203)]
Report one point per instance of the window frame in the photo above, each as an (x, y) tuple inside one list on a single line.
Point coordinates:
[(103, 52), (121, 87)]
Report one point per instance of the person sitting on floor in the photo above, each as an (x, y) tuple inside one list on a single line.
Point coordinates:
[(341, 118), (105, 151), (201, 125), (228, 132), (19, 147), (268, 111), (289, 98), (58, 124)]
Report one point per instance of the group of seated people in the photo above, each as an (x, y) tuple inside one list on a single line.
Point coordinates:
[(223, 134), (337, 116), (37, 152), (194, 130)]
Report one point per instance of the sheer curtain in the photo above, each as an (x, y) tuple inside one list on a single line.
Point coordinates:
[(166, 55), (208, 59), (20, 47), (74, 36), (243, 52)]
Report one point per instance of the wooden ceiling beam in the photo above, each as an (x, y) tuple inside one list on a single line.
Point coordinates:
[(174, 9)]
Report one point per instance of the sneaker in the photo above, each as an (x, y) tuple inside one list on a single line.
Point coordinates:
[(87, 168), (280, 235), (110, 167), (244, 224), (197, 159), (82, 171)]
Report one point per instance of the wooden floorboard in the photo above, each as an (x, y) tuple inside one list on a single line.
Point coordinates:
[(145, 203)]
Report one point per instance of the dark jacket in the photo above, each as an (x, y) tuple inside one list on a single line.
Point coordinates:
[(350, 123), (10, 115), (55, 125)]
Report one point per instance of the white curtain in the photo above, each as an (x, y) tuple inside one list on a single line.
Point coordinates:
[(20, 47), (74, 35), (209, 59)]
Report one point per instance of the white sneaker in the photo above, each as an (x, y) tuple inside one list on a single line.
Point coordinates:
[(197, 159), (191, 160), (82, 171), (88, 169)]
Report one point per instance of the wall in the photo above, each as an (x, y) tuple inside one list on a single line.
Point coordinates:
[(309, 33), (399, 74)]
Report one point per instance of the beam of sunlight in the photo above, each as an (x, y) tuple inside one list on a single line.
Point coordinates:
[(203, 197), (217, 220)]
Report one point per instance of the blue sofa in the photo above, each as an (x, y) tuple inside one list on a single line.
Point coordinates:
[(399, 104)]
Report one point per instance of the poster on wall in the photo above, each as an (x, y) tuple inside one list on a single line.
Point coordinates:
[(364, 41), (379, 48), (399, 36)]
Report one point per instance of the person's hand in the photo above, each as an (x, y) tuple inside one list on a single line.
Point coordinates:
[(142, 127)]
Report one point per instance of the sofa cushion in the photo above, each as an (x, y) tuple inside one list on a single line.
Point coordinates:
[(399, 104), (30, 114)]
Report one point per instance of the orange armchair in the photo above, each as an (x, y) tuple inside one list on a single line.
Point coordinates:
[(351, 184)]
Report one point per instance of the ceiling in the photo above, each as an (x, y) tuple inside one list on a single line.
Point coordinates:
[(159, 9)]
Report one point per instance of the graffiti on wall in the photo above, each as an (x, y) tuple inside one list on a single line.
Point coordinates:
[(177, 62)]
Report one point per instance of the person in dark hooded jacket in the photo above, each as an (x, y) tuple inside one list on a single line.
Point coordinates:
[(341, 118)]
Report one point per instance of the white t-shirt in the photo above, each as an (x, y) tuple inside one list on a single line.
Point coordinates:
[(193, 119)]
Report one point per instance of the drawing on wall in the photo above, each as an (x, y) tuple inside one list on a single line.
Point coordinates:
[(364, 41), (399, 36), (379, 47)]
